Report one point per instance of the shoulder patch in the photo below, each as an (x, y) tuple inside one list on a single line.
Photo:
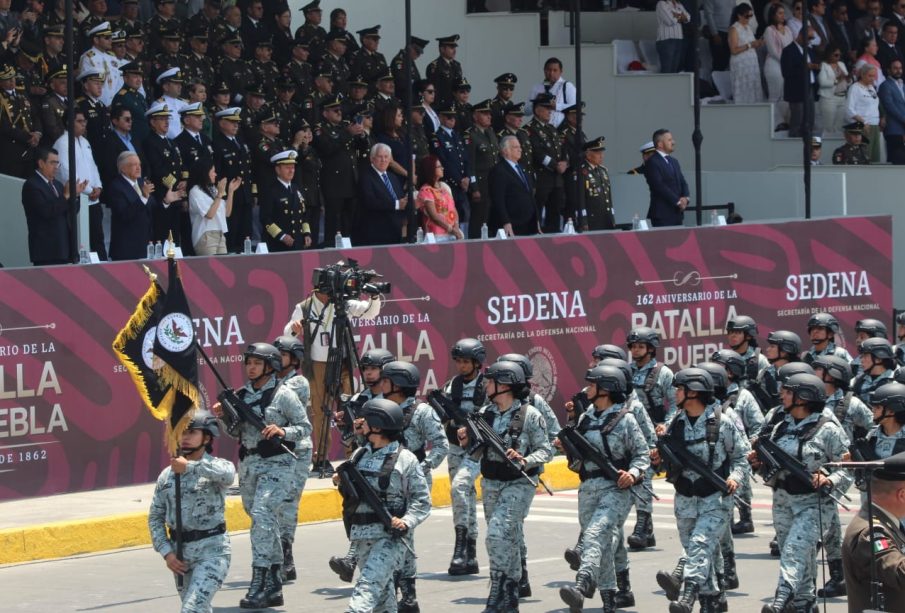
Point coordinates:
[(881, 541)]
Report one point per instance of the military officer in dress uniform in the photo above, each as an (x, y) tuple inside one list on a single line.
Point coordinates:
[(386, 92), (283, 213), (513, 116), (206, 20), (197, 64), (311, 30), (572, 143), (164, 19), (594, 179), (100, 58), (448, 145), (334, 140), (233, 159), (549, 163), (234, 71), (17, 127), (368, 62), (444, 72), (131, 98), (420, 143), (505, 87), (308, 176), (53, 57), (252, 111), (96, 113), (269, 143), (264, 68), (461, 94), (53, 108), (414, 49), (286, 109), (170, 83), (647, 150), (484, 152), (298, 69), (170, 41), (816, 150), (854, 151), (358, 89), (192, 142), (165, 171), (333, 62)]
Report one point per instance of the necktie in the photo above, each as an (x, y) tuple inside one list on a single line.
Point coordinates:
[(138, 190), (54, 188), (386, 181), (521, 174), (198, 138)]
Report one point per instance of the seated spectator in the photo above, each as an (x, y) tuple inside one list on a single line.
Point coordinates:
[(209, 207), (777, 37), (854, 151), (867, 54), (435, 201), (833, 82), (382, 201), (85, 170), (892, 99), (744, 68), (862, 104), (48, 212), (512, 193), (671, 15)]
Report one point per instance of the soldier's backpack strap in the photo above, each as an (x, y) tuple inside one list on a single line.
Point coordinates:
[(657, 413), (517, 424), (712, 433), (752, 367), (842, 406)]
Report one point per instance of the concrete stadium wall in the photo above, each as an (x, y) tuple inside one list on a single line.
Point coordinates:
[(13, 229)]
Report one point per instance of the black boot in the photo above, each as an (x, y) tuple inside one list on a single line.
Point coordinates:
[(774, 548), (835, 587), (685, 604), (722, 603), (255, 588), (609, 601), (471, 552), (287, 572), (574, 595), (409, 601), (642, 536), (459, 563), (344, 566), (805, 607), (495, 599), (782, 597), (745, 524), (710, 603), (573, 555), (524, 587), (273, 587), (510, 596), (730, 575), (672, 582), (624, 597)]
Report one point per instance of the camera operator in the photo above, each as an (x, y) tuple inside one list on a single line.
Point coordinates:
[(318, 312)]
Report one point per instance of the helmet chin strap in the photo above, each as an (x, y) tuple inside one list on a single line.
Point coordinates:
[(883, 416), (186, 451)]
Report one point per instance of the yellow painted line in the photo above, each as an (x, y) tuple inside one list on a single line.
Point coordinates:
[(62, 539)]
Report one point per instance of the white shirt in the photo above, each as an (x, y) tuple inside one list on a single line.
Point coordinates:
[(200, 203), (84, 163), (109, 64), (383, 175), (668, 26), (175, 105), (564, 96), (137, 188), (862, 101), (365, 309), (432, 115)]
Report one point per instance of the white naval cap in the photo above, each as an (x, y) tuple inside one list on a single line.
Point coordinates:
[(648, 147), (192, 109), (100, 29), (158, 109), (233, 113), (171, 74), (284, 157)]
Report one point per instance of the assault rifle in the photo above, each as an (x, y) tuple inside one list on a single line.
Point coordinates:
[(579, 447), (355, 489), (775, 459), (679, 458)]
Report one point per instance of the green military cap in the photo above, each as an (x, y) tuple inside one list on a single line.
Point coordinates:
[(357, 81), (373, 32), (300, 41), (515, 109), (265, 42), (7, 72), (255, 89), (60, 73), (419, 43), (330, 103), (54, 31), (339, 35), (311, 6), (387, 76), (595, 145), (131, 68), (170, 34), (462, 85), (482, 107), (449, 41), (285, 84), (507, 78), (220, 88), (544, 100), (119, 36), (200, 33), (855, 127), (232, 38)]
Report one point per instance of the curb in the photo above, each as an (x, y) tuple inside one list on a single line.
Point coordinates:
[(69, 538)]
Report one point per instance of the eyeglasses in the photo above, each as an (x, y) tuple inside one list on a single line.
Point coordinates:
[(430, 91), (126, 119), (439, 166)]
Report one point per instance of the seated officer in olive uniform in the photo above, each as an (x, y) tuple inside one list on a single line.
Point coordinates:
[(596, 212), (854, 151), (283, 212), (647, 150)]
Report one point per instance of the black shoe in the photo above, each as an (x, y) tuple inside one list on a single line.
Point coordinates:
[(642, 536), (774, 548), (524, 586), (672, 582), (781, 598), (471, 551), (255, 588), (409, 601), (574, 595), (287, 571), (624, 597), (459, 563), (573, 557), (344, 567), (685, 604), (835, 587), (496, 598)]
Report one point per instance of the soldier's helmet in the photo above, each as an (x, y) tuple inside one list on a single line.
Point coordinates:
[(601, 352), (643, 334), (880, 348), (267, 352), (718, 374), (403, 374), (384, 414), (786, 340), (469, 349), (834, 367), (376, 358), (694, 379), (204, 420), (873, 327), (624, 367), (793, 368), (823, 320), (521, 360), (742, 323), (733, 362), (809, 388), (609, 378), (507, 373), (290, 344)]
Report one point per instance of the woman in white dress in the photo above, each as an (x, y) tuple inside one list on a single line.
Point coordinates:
[(776, 36), (210, 203), (743, 65), (833, 81)]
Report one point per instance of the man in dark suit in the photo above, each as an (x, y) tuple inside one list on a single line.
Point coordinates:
[(382, 201), (668, 188), (116, 140), (793, 74), (133, 206), (887, 47), (512, 193), (841, 31), (892, 98), (48, 212)]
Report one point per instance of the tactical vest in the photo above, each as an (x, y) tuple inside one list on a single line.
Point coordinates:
[(456, 391), (791, 486), (762, 388), (752, 367), (407, 414), (383, 485), (699, 487), (867, 446), (266, 448), (841, 410), (501, 470), (605, 428), (657, 413)]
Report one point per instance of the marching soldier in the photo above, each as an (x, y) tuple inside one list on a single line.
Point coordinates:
[(854, 151), (205, 480), (887, 437), (445, 71), (266, 468), (484, 152), (513, 116), (96, 112), (466, 391), (403, 82), (593, 178), (878, 366), (396, 474), (702, 511), (165, 171), (505, 87), (461, 93), (131, 98), (53, 108), (17, 127), (549, 163), (292, 351), (822, 329), (783, 346), (741, 333), (368, 63), (653, 383), (605, 500), (647, 150), (865, 329), (283, 214)]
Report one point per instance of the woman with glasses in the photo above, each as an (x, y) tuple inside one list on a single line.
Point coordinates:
[(744, 67), (833, 81), (794, 22), (776, 36), (435, 201), (428, 94), (862, 104)]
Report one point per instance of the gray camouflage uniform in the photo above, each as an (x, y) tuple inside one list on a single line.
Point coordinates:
[(462, 492), (289, 512), (266, 483), (204, 485), (663, 395), (602, 505), (798, 518), (379, 554), (869, 383), (700, 518), (831, 349)]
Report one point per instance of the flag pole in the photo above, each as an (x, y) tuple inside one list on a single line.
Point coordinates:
[(171, 254)]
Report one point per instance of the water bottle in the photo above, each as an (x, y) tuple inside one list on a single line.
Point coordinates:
[(246, 247), (419, 236), (569, 228), (338, 243), (83, 255), (150, 252), (484, 231), (158, 250), (714, 219), (636, 222)]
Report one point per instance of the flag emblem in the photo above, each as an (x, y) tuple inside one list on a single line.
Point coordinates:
[(175, 332)]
